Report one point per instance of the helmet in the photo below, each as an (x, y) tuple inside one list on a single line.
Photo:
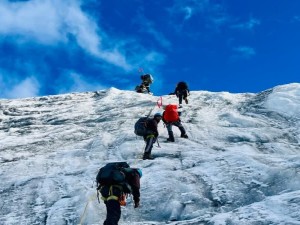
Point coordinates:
[(157, 115), (140, 172)]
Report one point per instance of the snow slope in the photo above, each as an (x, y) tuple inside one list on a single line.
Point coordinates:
[(240, 165)]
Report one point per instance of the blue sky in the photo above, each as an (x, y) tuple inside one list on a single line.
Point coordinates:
[(51, 46)]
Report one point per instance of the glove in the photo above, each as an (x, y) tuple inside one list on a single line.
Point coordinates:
[(136, 204)]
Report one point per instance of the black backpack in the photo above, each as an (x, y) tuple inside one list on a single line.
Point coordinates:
[(182, 85), (112, 173), (140, 126), (147, 78)]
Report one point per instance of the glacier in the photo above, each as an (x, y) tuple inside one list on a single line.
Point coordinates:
[(240, 165)]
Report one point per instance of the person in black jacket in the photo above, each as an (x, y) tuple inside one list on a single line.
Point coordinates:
[(151, 136), (141, 89), (112, 196), (147, 79), (182, 91)]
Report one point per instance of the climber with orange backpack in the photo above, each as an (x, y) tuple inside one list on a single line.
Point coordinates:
[(171, 117)]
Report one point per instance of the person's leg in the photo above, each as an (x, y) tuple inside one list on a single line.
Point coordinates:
[(170, 132), (185, 97), (149, 145), (148, 88), (180, 98), (181, 128), (113, 215)]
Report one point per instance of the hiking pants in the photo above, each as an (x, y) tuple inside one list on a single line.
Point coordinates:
[(113, 215), (182, 95), (150, 140), (176, 124)]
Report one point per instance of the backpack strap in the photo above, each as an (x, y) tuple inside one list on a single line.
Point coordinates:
[(111, 195)]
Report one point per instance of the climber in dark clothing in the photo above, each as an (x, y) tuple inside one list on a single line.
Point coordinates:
[(141, 89), (182, 91), (112, 196), (147, 79), (151, 136)]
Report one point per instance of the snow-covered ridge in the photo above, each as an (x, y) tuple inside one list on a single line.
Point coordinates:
[(240, 165)]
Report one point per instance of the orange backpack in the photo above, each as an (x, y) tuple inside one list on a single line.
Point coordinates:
[(171, 114)]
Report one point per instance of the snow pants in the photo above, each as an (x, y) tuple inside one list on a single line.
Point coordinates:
[(182, 95), (170, 131), (113, 214), (150, 140)]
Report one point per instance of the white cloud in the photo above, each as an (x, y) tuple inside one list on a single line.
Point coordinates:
[(188, 12), (187, 8), (26, 88), (296, 19), (51, 22), (154, 57), (74, 82), (249, 25), (39, 20), (148, 26), (244, 52), (214, 15)]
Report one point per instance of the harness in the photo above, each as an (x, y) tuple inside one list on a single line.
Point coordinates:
[(150, 136), (111, 195)]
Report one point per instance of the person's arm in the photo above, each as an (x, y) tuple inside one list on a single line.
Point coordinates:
[(152, 125), (156, 130), (135, 186)]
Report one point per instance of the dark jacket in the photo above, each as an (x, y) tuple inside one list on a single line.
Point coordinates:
[(141, 88), (152, 127), (134, 182), (181, 86)]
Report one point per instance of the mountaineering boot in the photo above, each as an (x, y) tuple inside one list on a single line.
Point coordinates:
[(171, 137), (183, 132), (148, 156), (170, 140), (184, 136)]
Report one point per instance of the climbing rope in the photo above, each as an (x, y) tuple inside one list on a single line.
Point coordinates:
[(92, 198)]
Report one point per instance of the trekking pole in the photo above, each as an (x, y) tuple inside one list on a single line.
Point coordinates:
[(157, 104), (150, 111)]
